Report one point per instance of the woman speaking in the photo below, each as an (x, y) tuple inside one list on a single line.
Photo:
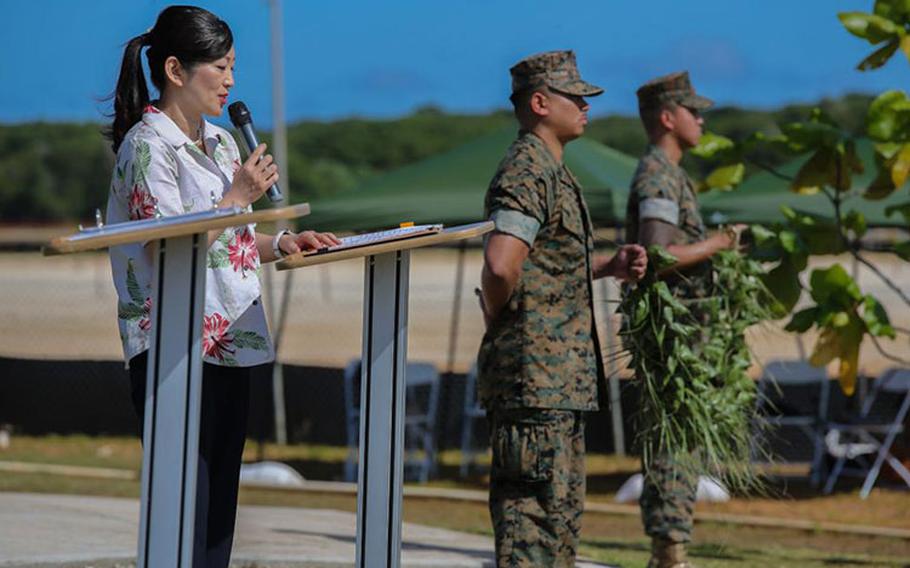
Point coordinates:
[(171, 161)]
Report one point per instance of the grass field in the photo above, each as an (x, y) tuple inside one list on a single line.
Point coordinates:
[(614, 538)]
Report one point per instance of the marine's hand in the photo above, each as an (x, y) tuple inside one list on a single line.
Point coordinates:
[(629, 263), (734, 234), (258, 173)]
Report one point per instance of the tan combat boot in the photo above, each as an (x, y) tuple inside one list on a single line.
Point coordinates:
[(668, 554)]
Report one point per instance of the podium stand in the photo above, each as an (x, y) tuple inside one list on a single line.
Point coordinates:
[(382, 399), (174, 388)]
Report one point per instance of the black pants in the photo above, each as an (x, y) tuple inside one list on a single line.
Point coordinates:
[(222, 433)]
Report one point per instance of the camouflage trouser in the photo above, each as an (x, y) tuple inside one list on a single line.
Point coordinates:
[(537, 486), (668, 501)]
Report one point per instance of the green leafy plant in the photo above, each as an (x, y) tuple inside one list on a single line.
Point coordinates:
[(886, 26), (729, 168), (842, 314), (691, 360), (828, 170)]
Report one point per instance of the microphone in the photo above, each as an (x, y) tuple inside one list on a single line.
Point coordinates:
[(243, 121)]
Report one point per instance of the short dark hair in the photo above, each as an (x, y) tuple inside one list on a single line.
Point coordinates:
[(192, 35), (650, 115), (520, 100)]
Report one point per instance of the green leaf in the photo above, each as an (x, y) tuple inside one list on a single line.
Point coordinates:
[(788, 213), (820, 236), (659, 258), (760, 140), (823, 240), (876, 318), (888, 116), (250, 340), (766, 244), (130, 311), (802, 320), (881, 186), (833, 285), (886, 150), (901, 166), (132, 284), (783, 283), (840, 319), (711, 144), (762, 234), (725, 178), (897, 11), (856, 222), (840, 343), (905, 45), (851, 158), (880, 56), (663, 292), (875, 29), (142, 159), (789, 241), (806, 136), (817, 172), (218, 258)]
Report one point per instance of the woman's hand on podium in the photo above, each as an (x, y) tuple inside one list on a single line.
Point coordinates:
[(291, 243), (275, 247)]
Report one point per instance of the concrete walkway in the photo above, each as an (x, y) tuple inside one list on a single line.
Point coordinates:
[(100, 532)]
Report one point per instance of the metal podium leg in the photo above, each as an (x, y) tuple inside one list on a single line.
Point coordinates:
[(382, 394), (172, 405)]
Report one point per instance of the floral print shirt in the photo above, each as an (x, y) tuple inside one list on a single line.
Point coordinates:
[(159, 171)]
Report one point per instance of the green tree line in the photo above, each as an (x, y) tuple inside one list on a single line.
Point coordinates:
[(61, 171)]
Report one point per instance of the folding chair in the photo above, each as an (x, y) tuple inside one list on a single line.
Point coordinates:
[(873, 432), (811, 418), (472, 411), (421, 405)]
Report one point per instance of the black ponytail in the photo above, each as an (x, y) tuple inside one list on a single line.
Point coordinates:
[(132, 94), (190, 34)]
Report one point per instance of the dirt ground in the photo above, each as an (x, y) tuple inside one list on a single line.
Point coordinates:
[(65, 308)]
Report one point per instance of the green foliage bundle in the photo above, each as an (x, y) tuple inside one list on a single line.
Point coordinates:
[(691, 360)]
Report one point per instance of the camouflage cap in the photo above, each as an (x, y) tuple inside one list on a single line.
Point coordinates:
[(672, 88), (554, 69)]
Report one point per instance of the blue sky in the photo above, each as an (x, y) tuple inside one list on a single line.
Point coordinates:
[(386, 58)]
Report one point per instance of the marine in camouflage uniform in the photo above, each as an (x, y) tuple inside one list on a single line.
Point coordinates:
[(663, 209), (662, 190), (539, 366)]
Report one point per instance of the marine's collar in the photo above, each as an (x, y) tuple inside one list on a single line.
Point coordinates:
[(538, 143)]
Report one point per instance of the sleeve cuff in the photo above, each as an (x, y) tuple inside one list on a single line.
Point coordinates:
[(659, 208), (517, 224)]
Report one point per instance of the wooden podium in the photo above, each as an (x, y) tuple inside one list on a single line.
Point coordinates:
[(174, 389), (382, 404)]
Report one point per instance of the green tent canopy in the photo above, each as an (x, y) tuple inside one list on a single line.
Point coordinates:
[(449, 188), (759, 198)]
